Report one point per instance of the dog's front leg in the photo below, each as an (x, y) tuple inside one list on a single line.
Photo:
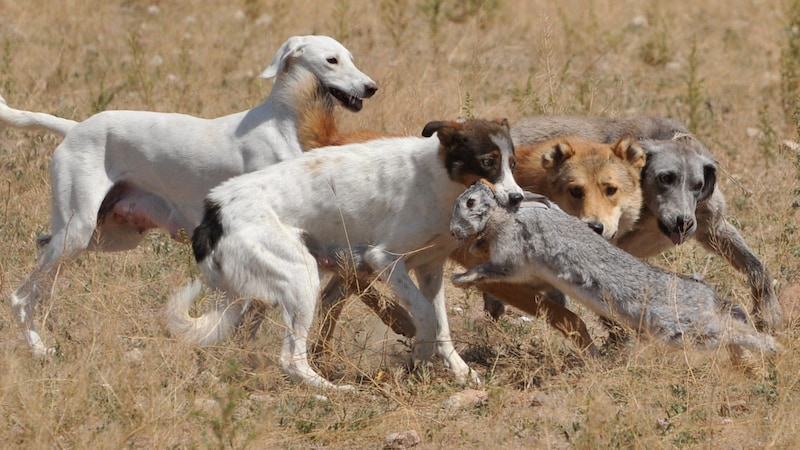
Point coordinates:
[(431, 284), (717, 235)]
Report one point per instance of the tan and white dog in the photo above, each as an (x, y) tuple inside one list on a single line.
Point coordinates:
[(681, 197), (593, 181), (119, 174), (388, 201)]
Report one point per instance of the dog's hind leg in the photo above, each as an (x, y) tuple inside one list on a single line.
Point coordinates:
[(531, 300), (717, 235), (334, 299), (72, 222), (37, 287), (298, 299)]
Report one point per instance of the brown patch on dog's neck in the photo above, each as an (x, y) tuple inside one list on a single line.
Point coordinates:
[(316, 120)]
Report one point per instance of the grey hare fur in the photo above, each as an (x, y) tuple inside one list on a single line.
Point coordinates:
[(681, 197), (538, 243)]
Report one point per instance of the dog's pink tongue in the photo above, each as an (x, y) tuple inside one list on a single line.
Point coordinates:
[(676, 238)]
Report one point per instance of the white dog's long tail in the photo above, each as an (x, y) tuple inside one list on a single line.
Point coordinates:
[(27, 119), (210, 328)]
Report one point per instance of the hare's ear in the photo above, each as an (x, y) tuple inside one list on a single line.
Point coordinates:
[(293, 47)]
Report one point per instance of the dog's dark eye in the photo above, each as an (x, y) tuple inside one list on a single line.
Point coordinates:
[(487, 162), (470, 202), (611, 190), (513, 163), (666, 178), (698, 186), (332, 60), (576, 192)]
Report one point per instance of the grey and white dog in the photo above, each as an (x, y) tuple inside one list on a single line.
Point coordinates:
[(540, 243), (681, 196)]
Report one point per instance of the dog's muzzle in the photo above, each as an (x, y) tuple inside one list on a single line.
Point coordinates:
[(353, 102), (514, 199)]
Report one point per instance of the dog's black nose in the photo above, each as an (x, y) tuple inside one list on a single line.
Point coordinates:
[(683, 224), (597, 227), (370, 89), (515, 198)]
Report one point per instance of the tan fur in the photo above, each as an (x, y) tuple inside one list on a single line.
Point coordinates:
[(317, 127), (598, 183)]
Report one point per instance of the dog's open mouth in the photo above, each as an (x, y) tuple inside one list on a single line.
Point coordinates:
[(350, 102), (674, 236)]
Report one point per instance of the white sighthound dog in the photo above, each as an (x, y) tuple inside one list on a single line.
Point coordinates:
[(119, 174), (387, 201)]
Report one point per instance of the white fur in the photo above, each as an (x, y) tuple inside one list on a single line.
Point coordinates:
[(162, 165), (390, 197)]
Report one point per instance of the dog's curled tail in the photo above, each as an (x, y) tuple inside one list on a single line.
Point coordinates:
[(210, 328), (27, 119)]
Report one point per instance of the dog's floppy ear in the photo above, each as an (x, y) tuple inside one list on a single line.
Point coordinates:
[(446, 131), (709, 181), (628, 149), (432, 127), (558, 152), (291, 48)]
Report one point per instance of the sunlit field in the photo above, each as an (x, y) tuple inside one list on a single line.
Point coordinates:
[(728, 70)]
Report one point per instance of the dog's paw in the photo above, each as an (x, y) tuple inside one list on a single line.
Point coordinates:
[(470, 378)]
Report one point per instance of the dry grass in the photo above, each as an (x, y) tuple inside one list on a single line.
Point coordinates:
[(121, 382)]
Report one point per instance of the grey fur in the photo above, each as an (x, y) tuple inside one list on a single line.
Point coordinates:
[(531, 130), (681, 196), (538, 243)]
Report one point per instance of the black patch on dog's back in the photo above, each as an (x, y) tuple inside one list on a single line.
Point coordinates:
[(208, 233)]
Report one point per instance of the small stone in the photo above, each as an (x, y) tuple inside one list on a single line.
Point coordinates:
[(207, 405), (468, 398), (752, 132), (639, 22), (402, 439), (260, 398), (134, 356)]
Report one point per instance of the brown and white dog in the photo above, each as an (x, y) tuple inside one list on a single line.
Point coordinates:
[(388, 201), (596, 182)]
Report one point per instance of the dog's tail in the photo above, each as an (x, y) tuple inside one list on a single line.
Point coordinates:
[(210, 328), (27, 119)]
